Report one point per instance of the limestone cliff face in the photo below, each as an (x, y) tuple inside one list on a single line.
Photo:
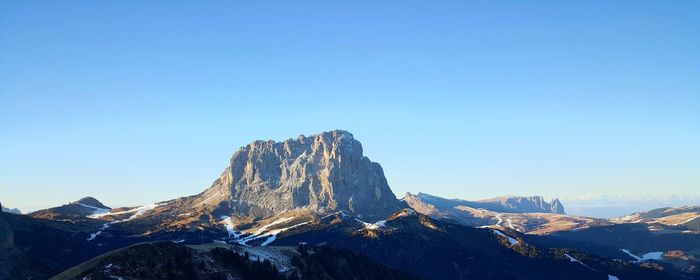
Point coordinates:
[(324, 172)]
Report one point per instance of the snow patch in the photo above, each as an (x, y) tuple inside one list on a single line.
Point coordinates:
[(377, 225), (572, 259), (637, 258), (232, 232), (632, 218), (93, 235), (372, 226), (269, 240), (511, 240), (138, 211), (406, 213), (653, 256), (270, 235), (97, 210), (277, 222), (648, 256), (274, 233)]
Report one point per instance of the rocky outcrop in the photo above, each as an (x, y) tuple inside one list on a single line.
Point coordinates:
[(324, 172)]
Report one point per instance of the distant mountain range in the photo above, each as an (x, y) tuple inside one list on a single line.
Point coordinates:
[(503, 204), (525, 214), (610, 206), (322, 191)]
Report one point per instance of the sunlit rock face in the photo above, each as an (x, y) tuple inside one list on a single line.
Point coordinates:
[(324, 172)]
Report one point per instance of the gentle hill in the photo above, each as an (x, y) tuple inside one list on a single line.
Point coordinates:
[(76, 210)]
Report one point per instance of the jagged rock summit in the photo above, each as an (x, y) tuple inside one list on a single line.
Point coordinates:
[(324, 172)]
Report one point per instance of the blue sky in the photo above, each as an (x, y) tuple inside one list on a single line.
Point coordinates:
[(135, 102)]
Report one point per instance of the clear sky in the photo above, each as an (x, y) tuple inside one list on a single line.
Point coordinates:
[(135, 102)]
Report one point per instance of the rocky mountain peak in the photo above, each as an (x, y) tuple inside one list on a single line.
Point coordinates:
[(322, 172)]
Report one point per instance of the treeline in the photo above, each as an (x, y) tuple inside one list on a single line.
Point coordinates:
[(312, 263), (245, 268), (326, 263), (167, 260)]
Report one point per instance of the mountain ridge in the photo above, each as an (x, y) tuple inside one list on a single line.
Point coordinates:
[(504, 204)]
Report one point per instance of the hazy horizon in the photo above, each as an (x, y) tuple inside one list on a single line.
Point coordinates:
[(134, 103), (601, 205)]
